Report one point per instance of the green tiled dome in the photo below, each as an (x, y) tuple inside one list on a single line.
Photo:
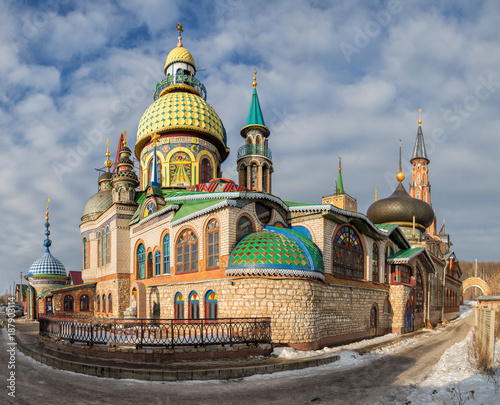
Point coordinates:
[(278, 252)]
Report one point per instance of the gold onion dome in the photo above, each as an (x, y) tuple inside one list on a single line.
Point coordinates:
[(178, 111), (179, 54)]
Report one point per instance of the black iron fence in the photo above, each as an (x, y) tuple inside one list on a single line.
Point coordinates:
[(168, 333)]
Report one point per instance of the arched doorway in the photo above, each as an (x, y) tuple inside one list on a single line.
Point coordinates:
[(409, 313), (475, 282), (373, 321)]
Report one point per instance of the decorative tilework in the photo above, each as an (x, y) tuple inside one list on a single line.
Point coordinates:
[(47, 264)]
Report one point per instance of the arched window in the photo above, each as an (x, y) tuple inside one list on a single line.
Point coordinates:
[(348, 257), (187, 252), (243, 228), (110, 303), (98, 303), (194, 306), (205, 171), (213, 244), (179, 306), (85, 243), (104, 303), (141, 261), (84, 303), (99, 250), (158, 170), (255, 180), (418, 195), (388, 252), (211, 305), (149, 269), (68, 303), (166, 254), (149, 209), (157, 263), (107, 246), (375, 275)]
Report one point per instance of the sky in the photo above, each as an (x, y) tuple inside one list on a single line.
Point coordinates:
[(334, 79)]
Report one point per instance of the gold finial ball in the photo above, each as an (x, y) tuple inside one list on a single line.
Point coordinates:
[(419, 122), (400, 176)]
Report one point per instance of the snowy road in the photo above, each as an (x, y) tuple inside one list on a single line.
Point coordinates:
[(376, 379)]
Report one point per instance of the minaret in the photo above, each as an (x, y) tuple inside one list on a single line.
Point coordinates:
[(341, 199), (124, 179), (420, 188), (254, 162)]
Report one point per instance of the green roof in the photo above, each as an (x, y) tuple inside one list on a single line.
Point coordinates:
[(192, 206), (340, 184), (404, 256), (255, 114), (296, 204), (386, 227)]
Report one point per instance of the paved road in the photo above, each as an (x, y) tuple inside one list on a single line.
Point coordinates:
[(386, 380)]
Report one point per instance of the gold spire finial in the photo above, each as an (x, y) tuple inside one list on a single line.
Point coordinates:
[(419, 117), (400, 176), (376, 194), (154, 138), (125, 138), (107, 162), (181, 30), (254, 83), (340, 163), (47, 213)]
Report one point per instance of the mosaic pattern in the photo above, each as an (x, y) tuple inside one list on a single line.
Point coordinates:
[(180, 110), (47, 264), (179, 54), (346, 236)]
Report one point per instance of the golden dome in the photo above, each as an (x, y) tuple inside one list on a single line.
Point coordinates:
[(400, 176), (179, 54), (180, 111)]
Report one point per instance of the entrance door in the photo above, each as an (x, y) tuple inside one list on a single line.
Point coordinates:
[(409, 314), (373, 322)]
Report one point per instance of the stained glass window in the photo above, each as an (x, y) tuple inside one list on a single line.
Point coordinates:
[(141, 261), (179, 306), (206, 171), (187, 252), (401, 273), (68, 303), (213, 244), (166, 254), (84, 303), (211, 305), (150, 208), (194, 306), (388, 252), (419, 293), (348, 257), (375, 275), (157, 263)]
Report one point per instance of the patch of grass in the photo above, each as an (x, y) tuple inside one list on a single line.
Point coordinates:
[(478, 354)]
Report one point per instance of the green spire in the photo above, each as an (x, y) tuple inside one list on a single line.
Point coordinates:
[(340, 184), (255, 114)]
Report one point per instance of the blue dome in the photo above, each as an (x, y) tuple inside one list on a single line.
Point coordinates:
[(47, 265)]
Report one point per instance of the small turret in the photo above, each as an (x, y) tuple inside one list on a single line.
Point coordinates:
[(341, 199), (124, 179)]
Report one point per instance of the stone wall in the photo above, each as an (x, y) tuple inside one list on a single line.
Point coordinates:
[(303, 312)]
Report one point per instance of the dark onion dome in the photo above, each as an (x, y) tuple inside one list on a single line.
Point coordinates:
[(400, 208), (96, 205)]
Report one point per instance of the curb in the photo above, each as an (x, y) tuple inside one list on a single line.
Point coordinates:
[(161, 375)]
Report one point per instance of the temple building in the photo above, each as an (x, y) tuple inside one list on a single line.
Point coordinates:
[(172, 239)]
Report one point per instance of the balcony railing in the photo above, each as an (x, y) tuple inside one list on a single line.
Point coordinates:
[(168, 333), (254, 150), (180, 79)]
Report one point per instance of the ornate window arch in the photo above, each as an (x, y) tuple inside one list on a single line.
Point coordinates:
[(212, 243), (141, 261), (375, 263), (194, 305), (179, 306), (244, 227), (68, 303), (157, 263), (85, 243), (211, 305), (84, 303), (186, 249), (166, 254), (205, 170), (348, 256)]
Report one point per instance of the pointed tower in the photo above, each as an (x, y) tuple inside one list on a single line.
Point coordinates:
[(124, 179), (254, 163), (47, 272), (341, 199), (420, 188)]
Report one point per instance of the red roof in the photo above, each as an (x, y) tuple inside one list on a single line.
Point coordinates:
[(76, 277)]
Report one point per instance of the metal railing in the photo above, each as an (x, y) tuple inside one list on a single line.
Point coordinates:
[(168, 333), (254, 150), (180, 79)]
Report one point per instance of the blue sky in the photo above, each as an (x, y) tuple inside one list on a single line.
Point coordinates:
[(334, 79)]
